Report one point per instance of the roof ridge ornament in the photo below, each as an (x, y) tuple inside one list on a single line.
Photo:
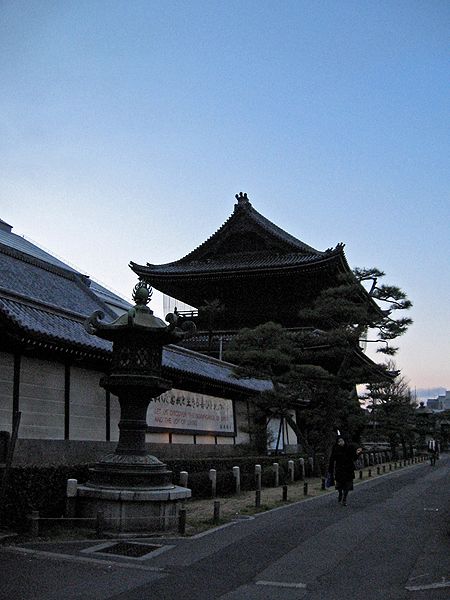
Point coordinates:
[(242, 201)]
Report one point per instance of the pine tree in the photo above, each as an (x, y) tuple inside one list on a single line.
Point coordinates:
[(393, 412), (315, 370)]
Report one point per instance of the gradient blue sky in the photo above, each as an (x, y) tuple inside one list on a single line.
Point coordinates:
[(126, 128)]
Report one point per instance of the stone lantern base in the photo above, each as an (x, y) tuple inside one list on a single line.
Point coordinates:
[(132, 511), (134, 494)]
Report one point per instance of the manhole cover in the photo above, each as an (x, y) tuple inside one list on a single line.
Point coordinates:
[(129, 549)]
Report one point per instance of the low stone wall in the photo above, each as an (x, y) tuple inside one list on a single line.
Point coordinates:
[(67, 452)]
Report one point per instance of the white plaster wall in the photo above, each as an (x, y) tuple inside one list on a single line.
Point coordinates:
[(41, 399), (87, 405), (225, 441), (180, 438), (289, 435), (205, 439), (157, 438), (242, 437), (42, 405), (6, 390)]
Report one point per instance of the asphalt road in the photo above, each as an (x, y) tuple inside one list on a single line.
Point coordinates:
[(392, 542)]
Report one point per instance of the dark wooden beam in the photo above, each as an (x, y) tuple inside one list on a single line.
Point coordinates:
[(108, 416), (16, 383), (67, 401)]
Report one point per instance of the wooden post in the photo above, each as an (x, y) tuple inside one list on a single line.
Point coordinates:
[(99, 523), (216, 517), (285, 491), (237, 477), (182, 521), (71, 498), (305, 488), (184, 478), (9, 456), (302, 468), (34, 526), (291, 470), (276, 474), (213, 479), (258, 477), (258, 498)]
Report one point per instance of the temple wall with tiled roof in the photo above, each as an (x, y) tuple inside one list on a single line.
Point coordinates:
[(43, 305)]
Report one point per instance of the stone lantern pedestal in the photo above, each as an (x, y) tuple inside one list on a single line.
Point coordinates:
[(132, 489), (130, 511)]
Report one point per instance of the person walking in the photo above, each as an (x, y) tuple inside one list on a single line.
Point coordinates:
[(342, 468), (433, 451)]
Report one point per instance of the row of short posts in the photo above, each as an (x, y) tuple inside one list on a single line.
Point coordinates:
[(71, 490), (258, 481), (258, 485)]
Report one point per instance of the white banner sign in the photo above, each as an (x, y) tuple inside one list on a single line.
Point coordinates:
[(189, 411)]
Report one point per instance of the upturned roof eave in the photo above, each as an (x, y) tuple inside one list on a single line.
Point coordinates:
[(374, 368), (50, 342), (165, 271)]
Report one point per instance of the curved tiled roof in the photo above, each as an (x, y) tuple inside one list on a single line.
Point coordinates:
[(47, 305), (29, 252), (244, 211), (251, 261), (188, 361), (54, 329), (21, 244), (283, 249), (47, 284), (45, 324)]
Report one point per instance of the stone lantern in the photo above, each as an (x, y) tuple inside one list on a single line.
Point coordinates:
[(133, 489)]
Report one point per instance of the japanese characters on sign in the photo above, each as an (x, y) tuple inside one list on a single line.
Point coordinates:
[(189, 411)]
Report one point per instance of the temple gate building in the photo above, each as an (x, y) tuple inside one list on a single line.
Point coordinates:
[(247, 273)]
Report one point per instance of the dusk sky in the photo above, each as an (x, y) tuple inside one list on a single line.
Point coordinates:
[(126, 129)]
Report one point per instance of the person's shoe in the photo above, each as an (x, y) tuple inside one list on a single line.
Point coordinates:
[(344, 503), (339, 498)]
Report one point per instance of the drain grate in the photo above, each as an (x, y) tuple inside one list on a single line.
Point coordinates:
[(130, 549)]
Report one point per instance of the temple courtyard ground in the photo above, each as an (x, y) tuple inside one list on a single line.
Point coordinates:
[(392, 541)]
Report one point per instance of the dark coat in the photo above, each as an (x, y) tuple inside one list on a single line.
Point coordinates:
[(342, 462)]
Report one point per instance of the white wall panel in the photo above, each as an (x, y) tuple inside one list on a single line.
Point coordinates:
[(41, 399)]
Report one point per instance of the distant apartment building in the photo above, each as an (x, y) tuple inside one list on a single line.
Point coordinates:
[(442, 402)]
